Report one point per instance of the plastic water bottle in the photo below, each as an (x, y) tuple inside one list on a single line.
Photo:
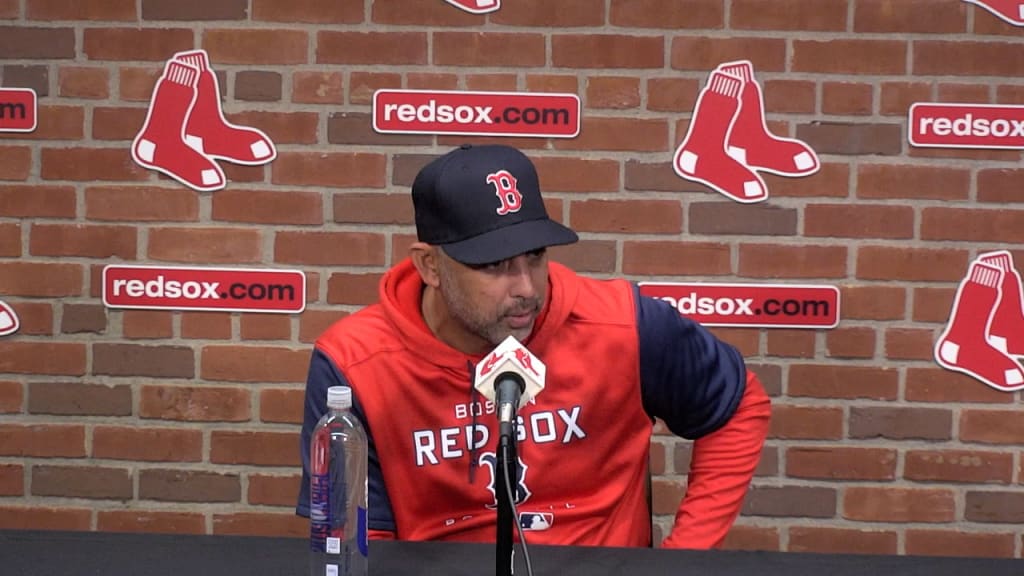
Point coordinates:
[(337, 493)]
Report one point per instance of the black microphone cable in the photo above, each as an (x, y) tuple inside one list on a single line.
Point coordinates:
[(515, 512)]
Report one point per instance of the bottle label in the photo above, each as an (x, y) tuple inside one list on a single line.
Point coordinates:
[(319, 511), (333, 545), (362, 535)]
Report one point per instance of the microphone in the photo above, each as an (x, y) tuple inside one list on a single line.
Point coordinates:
[(510, 376), (508, 389)]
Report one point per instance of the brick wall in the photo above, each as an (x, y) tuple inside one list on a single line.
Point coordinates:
[(187, 422)]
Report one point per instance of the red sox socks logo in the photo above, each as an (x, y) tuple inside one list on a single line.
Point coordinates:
[(1011, 11), (728, 142), (986, 327), (185, 130), (8, 320), (476, 6)]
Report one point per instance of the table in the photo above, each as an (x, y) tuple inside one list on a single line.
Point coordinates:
[(42, 553)]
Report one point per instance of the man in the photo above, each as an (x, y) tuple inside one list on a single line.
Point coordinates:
[(615, 361)]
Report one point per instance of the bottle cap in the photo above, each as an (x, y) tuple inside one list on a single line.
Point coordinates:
[(339, 397)]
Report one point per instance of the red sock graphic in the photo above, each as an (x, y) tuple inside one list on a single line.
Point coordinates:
[(476, 6), (160, 145), (1007, 330), (208, 132), (963, 346), (1011, 11), (8, 320), (702, 156), (752, 144)]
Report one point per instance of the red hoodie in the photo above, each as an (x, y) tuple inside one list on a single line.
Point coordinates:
[(583, 443)]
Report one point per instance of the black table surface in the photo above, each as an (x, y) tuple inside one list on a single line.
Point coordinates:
[(44, 553)]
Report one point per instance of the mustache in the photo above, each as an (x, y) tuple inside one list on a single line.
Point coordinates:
[(523, 306)]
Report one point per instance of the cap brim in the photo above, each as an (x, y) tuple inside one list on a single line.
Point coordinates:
[(510, 241)]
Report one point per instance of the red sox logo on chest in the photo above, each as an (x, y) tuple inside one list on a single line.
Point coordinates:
[(522, 491), (508, 193), (546, 431)]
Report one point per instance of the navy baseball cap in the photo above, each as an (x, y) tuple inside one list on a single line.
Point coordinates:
[(482, 204)]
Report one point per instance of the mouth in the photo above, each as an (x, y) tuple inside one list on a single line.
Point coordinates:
[(520, 320)]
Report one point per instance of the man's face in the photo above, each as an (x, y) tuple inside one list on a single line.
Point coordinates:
[(494, 301)]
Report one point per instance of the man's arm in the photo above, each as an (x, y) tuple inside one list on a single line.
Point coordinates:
[(721, 469), (323, 374), (700, 387)]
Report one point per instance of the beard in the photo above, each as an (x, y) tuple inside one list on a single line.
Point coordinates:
[(485, 324)]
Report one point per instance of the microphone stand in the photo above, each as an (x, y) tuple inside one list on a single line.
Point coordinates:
[(508, 389), (503, 558)]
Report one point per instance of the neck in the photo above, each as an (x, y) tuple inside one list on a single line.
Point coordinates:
[(447, 329)]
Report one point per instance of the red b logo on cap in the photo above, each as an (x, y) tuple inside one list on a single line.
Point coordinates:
[(508, 194)]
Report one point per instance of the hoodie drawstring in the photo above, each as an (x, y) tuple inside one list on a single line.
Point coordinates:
[(474, 396)]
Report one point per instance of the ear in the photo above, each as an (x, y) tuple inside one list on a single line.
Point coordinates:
[(425, 258)]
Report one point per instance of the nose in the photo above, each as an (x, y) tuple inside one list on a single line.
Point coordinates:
[(521, 278)]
